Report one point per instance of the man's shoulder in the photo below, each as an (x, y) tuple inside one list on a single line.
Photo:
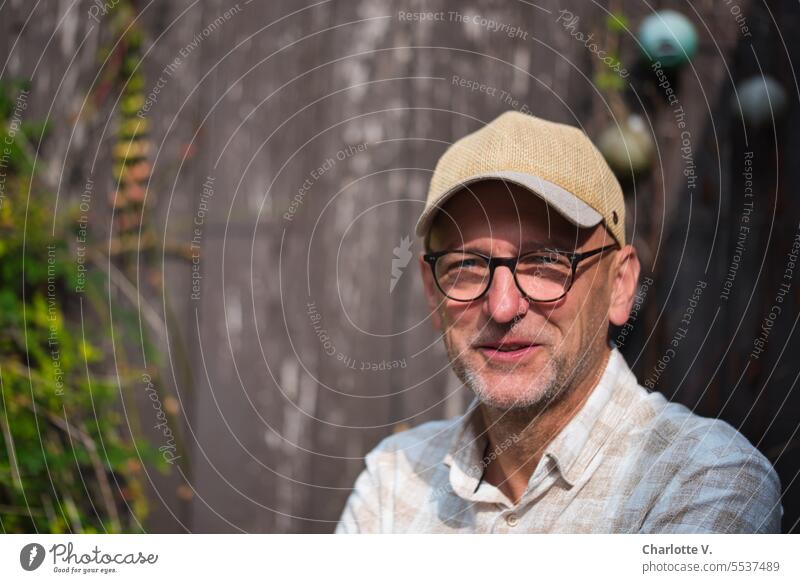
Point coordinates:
[(680, 435), (707, 475), (649, 416)]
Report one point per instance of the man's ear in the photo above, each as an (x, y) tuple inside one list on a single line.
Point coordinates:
[(432, 294), (623, 286)]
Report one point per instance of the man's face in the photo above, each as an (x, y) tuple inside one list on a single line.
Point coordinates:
[(555, 345)]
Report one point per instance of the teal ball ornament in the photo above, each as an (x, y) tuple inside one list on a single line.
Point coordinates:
[(759, 100), (669, 37)]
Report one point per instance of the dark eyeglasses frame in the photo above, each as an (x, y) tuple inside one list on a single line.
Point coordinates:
[(511, 263)]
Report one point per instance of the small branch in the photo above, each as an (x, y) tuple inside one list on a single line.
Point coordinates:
[(129, 291), (18, 510), (9, 439), (91, 448)]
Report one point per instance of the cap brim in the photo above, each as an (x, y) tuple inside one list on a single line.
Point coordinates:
[(564, 202)]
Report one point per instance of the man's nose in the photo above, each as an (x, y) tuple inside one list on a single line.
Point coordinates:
[(504, 301)]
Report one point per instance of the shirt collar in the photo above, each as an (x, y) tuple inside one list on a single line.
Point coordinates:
[(576, 445), (572, 450), (466, 451)]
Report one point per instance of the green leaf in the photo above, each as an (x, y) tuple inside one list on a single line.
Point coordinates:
[(617, 22)]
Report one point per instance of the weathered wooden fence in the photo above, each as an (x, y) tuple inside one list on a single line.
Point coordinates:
[(292, 146)]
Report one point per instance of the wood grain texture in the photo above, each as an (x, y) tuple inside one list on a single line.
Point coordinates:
[(283, 94)]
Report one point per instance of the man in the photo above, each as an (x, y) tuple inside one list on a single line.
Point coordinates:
[(526, 267)]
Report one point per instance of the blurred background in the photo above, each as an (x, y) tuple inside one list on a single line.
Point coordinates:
[(210, 304)]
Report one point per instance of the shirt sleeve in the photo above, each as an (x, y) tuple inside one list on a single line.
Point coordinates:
[(361, 513), (738, 492)]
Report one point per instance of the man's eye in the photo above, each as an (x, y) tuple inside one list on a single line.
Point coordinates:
[(468, 263), (464, 265)]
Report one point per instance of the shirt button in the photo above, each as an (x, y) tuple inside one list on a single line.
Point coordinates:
[(512, 520)]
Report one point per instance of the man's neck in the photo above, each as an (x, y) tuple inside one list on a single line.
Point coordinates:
[(518, 437)]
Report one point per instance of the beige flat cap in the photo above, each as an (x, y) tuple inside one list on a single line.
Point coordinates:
[(557, 162)]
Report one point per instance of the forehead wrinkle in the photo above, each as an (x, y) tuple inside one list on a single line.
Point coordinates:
[(461, 214), (454, 236)]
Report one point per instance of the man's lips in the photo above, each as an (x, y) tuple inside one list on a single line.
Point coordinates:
[(511, 351)]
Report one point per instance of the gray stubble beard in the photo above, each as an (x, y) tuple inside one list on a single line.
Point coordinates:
[(557, 373)]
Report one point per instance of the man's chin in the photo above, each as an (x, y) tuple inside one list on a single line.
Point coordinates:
[(523, 398), (515, 386), (510, 390)]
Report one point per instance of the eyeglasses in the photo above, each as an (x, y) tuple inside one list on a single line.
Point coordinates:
[(541, 276)]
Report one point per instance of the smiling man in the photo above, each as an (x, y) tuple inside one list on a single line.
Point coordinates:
[(525, 268)]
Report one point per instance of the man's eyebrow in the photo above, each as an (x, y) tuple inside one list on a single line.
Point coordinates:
[(526, 246)]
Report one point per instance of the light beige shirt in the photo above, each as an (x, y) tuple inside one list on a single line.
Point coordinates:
[(629, 461)]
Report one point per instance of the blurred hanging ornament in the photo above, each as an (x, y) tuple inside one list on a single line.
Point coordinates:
[(759, 100), (627, 147), (669, 37)]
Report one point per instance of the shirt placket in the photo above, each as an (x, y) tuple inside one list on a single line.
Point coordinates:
[(510, 517)]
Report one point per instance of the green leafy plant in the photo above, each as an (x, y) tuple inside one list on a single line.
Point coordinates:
[(67, 461)]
